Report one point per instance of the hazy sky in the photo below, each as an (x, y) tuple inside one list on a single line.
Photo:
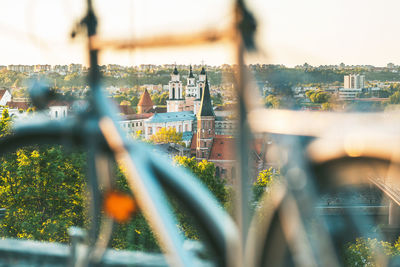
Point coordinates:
[(290, 31)]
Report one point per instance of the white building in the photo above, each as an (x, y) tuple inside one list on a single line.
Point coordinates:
[(5, 97), (134, 124), (75, 68), (181, 121), (193, 92), (348, 93), (58, 112), (175, 98), (354, 81)]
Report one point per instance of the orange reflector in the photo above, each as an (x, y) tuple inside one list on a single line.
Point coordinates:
[(119, 206)]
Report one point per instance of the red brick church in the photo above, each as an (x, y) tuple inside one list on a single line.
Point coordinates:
[(205, 144)]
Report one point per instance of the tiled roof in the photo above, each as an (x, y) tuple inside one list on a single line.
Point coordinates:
[(222, 148), (2, 92), (145, 100), (55, 103), (18, 105), (137, 116), (172, 116)]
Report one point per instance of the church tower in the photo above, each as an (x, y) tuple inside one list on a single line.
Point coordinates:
[(199, 90), (205, 125), (145, 103), (175, 99), (201, 83), (191, 88)]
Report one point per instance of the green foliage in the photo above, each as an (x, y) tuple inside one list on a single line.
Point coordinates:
[(217, 99), (12, 78), (205, 171), (42, 190), (134, 101), (5, 123), (395, 98), (159, 99), (367, 252), (318, 96), (327, 106), (165, 136), (264, 180), (135, 234), (272, 101)]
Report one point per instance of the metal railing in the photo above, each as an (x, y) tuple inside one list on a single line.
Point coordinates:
[(314, 149)]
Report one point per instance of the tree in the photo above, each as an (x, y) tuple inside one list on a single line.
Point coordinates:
[(395, 98), (327, 106), (160, 99), (272, 101), (366, 251), (318, 96), (264, 180), (217, 99), (205, 171), (165, 136)]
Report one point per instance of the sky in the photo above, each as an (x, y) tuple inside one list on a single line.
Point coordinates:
[(290, 32)]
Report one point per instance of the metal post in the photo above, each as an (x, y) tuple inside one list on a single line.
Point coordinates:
[(394, 214)]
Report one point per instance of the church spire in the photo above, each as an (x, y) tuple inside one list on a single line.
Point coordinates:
[(191, 72), (175, 71), (206, 108)]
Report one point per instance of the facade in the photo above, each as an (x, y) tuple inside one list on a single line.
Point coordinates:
[(5, 97), (353, 85), (348, 94), (175, 100), (191, 102), (58, 112), (20, 68), (181, 121), (354, 81), (61, 69), (134, 124), (75, 68), (205, 125), (41, 68)]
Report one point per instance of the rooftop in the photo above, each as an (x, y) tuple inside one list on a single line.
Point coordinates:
[(222, 148), (172, 116), (145, 100)]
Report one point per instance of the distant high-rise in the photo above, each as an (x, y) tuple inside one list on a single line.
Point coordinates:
[(354, 81)]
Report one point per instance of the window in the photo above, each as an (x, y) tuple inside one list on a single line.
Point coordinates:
[(219, 155), (56, 114)]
